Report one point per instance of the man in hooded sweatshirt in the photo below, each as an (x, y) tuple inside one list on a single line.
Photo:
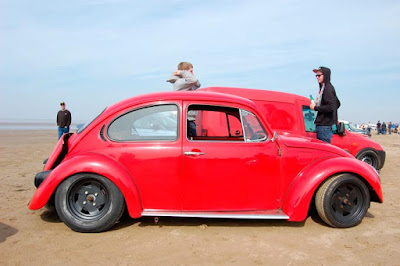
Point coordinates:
[(326, 105)]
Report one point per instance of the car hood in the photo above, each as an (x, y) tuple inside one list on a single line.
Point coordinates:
[(314, 144), (363, 140)]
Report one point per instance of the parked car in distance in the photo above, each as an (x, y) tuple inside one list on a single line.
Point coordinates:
[(290, 114), (139, 154), (352, 128)]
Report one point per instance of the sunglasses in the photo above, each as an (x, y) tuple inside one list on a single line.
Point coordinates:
[(318, 75)]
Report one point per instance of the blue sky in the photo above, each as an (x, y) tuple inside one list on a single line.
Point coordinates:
[(91, 54)]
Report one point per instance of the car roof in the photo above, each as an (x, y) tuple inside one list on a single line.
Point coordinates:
[(179, 95), (257, 94)]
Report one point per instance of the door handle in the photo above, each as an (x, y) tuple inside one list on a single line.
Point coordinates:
[(193, 153)]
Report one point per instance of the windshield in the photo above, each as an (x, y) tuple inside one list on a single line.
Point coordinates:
[(352, 127), (82, 128)]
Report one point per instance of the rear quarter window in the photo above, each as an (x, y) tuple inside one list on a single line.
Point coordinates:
[(280, 116)]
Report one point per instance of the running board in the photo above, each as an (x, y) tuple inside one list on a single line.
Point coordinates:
[(266, 214)]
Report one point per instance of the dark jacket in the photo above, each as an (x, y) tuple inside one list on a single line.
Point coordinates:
[(63, 118), (327, 111)]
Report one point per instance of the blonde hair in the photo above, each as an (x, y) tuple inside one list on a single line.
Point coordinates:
[(184, 66)]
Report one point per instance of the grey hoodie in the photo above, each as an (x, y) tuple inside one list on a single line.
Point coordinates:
[(185, 82)]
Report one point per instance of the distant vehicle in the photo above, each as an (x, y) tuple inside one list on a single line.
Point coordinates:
[(290, 114), (139, 154), (352, 128)]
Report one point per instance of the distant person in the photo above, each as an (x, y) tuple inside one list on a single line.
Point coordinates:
[(390, 128), (63, 120), (378, 127), (369, 129), (184, 79), (384, 128), (326, 105)]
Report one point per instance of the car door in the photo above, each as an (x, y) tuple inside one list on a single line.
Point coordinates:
[(230, 164), (341, 141)]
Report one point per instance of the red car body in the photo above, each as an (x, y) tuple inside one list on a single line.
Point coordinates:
[(233, 166), (290, 114)]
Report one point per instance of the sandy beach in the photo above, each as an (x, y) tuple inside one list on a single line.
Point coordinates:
[(40, 238)]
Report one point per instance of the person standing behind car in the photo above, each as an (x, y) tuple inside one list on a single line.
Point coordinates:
[(63, 120), (184, 79), (326, 105)]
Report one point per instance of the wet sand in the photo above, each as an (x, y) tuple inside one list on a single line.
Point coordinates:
[(40, 238)]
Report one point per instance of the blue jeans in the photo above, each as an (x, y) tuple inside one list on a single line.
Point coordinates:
[(62, 130), (192, 129), (324, 133)]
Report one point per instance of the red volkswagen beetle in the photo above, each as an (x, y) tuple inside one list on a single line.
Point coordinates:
[(198, 154)]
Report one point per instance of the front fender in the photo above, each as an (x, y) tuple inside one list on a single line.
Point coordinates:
[(91, 163), (304, 186)]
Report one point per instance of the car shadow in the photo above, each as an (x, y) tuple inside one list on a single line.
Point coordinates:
[(6, 231), (127, 221), (315, 217), (50, 215)]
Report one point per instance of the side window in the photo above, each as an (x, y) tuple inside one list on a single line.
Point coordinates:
[(215, 123), (334, 129), (252, 127), (309, 117), (206, 122), (158, 122)]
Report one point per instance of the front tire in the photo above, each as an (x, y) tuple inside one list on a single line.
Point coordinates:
[(369, 157), (342, 201), (89, 203)]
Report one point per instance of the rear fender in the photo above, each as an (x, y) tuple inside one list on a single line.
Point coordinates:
[(301, 191), (90, 163)]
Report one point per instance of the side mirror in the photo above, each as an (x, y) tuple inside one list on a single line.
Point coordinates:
[(340, 129)]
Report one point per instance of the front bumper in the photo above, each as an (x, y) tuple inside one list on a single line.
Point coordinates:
[(40, 177)]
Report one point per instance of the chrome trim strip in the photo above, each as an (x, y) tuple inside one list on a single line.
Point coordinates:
[(275, 214)]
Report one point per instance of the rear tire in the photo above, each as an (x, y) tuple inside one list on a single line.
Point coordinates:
[(342, 201), (89, 203)]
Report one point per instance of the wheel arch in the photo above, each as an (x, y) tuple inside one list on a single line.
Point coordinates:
[(380, 155), (368, 149), (96, 164), (301, 192)]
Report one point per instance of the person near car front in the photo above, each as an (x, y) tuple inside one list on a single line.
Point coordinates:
[(63, 120), (326, 105)]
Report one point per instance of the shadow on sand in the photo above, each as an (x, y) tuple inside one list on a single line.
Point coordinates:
[(50, 215), (6, 231), (127, 221)]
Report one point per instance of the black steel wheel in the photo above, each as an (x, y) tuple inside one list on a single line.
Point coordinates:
[(89, 203), (369, 157), (342, 201)]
